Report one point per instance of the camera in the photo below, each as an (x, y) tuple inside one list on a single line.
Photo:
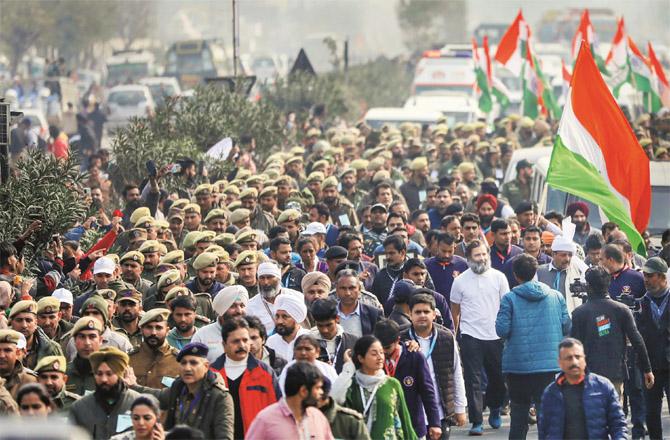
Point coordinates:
[(628, 300), (578, 289)]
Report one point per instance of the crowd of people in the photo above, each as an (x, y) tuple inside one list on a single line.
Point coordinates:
[(364, 284)]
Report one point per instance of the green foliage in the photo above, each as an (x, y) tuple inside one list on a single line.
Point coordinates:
[(188, 127), (378, 83), (42, 188), (429, 24)]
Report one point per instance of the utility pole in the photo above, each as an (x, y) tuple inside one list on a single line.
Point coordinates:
[(235, 39)]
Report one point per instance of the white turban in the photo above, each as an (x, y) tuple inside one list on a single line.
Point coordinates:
[(227, 296), (293, 305), (268, 268)]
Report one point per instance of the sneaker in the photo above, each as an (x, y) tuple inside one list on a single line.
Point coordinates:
[(495, 420), (477, 429), (505, 410), (532, 416)]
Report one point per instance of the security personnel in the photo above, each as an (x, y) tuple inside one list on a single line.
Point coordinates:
[(350, 190), (128, 309), (23, 319), (205, 279), (154, 361), (132, 264), (415, 190), (11, 369), (51, 373), (246, 266), (216, 220), (518, 190), (49, 318), (151, 251), (247, 239), (342, 212), (87, 336)]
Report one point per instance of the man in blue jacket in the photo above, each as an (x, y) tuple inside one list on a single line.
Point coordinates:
[(532, 320), (411, 370), (579, 404)]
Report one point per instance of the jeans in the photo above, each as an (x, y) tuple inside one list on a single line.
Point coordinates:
[(525, 389), (633, 387), (654, 400), (475, 355)]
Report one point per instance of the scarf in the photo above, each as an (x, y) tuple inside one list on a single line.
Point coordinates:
[(657, 311), (370, 384)]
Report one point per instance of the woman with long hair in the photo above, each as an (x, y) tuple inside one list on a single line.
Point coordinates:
[(364, 386), (145, 418)]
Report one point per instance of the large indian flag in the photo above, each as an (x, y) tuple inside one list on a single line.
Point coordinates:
[(596, 155)]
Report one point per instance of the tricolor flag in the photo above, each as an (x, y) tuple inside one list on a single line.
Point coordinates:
[(657, 68), (596, 155), (482, 84), (643, 79), (509, 48), (618, 55), (498, 89), (567, 77), (585, 32)]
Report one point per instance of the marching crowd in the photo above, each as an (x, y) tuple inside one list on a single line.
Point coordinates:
[(364, 284)]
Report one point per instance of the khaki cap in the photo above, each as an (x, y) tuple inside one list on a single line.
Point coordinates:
[(145, 222), (215, 214), (150, 246), (316, 176), (9, 336), (168, 278), (177, 291), (176, 213), (203, 189), (249, 192), (190, 239), (288, 215), (51, 363), (25, 306), (140, 212), (206, 259), (154, 315), (135, 256), (173, 257), (239, 215), (331, 181), (246, 236), (224, 238), (180, 203), (359, 164), (129, 295), (86, 323), (418, 164), (232, 189), (268, 191), (48, 305), (192, 207), (246, 257)]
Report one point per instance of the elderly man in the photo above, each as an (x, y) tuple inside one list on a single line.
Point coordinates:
[(290, 312), (562, 270), (103, 413), (231, 302), (269, 287)]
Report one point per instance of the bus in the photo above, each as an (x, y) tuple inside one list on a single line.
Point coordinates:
[(127, 67), (194, 60)]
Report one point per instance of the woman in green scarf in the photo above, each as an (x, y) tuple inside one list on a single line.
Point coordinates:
[(364, 386)]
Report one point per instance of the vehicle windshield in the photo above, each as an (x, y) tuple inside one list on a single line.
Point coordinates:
[(431, 90), (660, 199), (194, 62), (162, 90), (126, 98)]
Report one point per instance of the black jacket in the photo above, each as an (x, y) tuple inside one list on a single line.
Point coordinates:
[(369, 317), (603, 325), (656, 337), (343, 342)]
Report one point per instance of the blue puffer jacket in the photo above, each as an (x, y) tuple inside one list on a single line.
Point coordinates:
[(604, 416), (532, 320)]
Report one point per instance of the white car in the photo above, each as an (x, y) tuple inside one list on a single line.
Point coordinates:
[(456, 107), (125, 102), (161, 87)]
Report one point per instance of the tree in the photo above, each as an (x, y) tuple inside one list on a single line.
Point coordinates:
[(429, 24), (135, 20), (23, 24)]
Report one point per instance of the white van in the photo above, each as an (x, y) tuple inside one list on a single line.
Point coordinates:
[(378, 116)]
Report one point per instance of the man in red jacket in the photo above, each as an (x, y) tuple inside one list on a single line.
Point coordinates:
[(251, 382)]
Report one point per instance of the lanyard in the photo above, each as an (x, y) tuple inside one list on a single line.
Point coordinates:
[(367, 403), (501, 256), (191, 408), (391, 363), (657, 311), (433, 342), (337, 350)]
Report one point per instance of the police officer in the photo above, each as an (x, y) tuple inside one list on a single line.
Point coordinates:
[(50, 318), (132, 265), (128, 309), (518, 190), (154, 361), (11, 369), (23, 319), (51, 373), (87, 337)]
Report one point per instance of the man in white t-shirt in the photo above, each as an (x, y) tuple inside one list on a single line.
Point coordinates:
[(475, 299)]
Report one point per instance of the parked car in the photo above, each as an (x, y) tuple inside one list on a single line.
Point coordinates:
[(125, 102), (162, 87)]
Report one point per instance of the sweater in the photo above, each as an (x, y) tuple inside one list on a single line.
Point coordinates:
[(532, 320), (603, 326), (443, 274)]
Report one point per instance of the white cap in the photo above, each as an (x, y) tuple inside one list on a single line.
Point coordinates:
[(22, 344), (562, 244), (268, 268), (104, 265), (314, 228), (63, 295)]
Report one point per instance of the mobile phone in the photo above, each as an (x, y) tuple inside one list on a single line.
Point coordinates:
[(151, 168), (87, 191), (175, 168)]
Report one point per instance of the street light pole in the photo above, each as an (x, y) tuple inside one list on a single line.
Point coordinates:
[(235, 39)]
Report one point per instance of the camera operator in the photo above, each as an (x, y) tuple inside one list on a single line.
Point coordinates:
[(603, 325)]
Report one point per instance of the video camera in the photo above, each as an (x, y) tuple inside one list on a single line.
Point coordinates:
[(579, 289)]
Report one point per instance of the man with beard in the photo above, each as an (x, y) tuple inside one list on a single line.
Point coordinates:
[(260, 219), (456, 149), (342, 212), (103, 412), (192, 217), (486, 207), (290, 312), (246, 266), (87, 336), (216, 221), (252, 383), (13, 373), (231, 302), (502, 249), (205, 279), (176, 222), (414, 190), (579, 213), (269, 289), (562, 270), (23, 318), (281, 420), (377, 234), (133, 199), (151, 250), (51, 373), (350, 191), (204, 198), (474, 312), (50, 318), (280, 251), (445, 266), (128, 309), (131, 271), (267, 199), (518, 190), (290, 219), (154, 362), (184, 317)]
